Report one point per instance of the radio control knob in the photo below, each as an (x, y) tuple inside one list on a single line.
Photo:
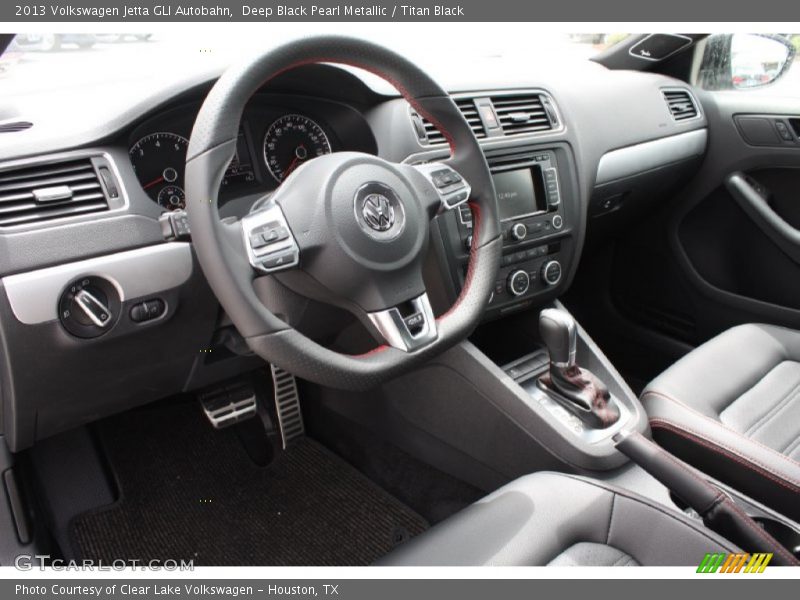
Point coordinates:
[(518, 283), (551, 272), (519, 232)]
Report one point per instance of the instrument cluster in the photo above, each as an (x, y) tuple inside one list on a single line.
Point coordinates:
[(276, 136)]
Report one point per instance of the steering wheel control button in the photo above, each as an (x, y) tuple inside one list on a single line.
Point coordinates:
[(518, 283), (379, 211), (257, 241), (279, 260), (409, 330), (267, 235), (451, 187), (551, 272), (268, 239), (519, 232)]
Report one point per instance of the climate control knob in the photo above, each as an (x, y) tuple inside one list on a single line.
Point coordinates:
[(551, 272), (518, 283), (519, 232)]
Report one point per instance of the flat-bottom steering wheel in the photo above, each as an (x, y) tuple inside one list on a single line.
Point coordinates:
[(346, 228)]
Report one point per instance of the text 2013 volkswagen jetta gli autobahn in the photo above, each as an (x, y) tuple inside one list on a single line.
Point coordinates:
[(335, 305)]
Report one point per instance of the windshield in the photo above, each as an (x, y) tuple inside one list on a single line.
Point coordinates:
[(43, 62)]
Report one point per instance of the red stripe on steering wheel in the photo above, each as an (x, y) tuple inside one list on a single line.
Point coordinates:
[(450, 142), (473, 253)]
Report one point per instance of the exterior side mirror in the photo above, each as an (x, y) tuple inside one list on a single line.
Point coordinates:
[(744, 60)]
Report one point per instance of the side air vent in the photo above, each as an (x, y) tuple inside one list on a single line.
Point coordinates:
[(49, 191), (524, 113), (15, 125), (429, 134), (680, 104)]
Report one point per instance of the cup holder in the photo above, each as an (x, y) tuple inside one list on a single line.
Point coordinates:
[(787, 536)]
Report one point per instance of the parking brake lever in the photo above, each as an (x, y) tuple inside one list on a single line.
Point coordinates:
[(718, 511)]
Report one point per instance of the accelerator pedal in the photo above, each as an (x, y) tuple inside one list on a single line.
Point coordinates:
[(229, 403), (287, 406)]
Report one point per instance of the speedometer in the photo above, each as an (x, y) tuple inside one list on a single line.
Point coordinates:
[(159, 160), (291, 141)]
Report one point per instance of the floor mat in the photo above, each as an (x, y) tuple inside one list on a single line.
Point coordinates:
[(189, 492)]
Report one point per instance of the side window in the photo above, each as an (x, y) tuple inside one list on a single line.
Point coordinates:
[(745, 61)]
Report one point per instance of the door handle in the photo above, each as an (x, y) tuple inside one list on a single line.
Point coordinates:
[(756, 207)]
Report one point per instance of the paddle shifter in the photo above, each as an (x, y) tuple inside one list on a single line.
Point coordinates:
[(577, 389)]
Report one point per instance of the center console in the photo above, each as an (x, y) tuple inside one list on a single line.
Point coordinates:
[(538, 203)]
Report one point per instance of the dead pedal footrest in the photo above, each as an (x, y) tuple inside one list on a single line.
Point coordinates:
[(229, 403), (287, 406)]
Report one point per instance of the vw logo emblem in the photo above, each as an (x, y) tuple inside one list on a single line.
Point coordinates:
[(378, 212)]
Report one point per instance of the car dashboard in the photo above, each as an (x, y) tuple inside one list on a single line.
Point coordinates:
[(569, 155)]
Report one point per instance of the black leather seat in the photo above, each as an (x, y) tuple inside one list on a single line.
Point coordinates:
[(731, 408), (555, 519)]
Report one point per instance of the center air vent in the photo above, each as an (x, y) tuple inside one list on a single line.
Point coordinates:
[(504, 114), (680, 104), (49, 191), (470, 112), (523, 113)]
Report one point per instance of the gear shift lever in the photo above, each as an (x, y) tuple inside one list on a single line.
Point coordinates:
[(577, 389), (560, 335)]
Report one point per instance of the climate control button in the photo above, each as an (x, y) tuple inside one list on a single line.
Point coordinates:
[(551, 272), (518, 283)]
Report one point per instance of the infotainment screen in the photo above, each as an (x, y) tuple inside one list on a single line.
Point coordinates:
[(516, 192)]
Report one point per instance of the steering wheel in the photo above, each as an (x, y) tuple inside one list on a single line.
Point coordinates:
[(346, 228)]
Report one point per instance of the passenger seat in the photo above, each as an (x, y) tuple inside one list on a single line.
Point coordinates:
[(731, 408)]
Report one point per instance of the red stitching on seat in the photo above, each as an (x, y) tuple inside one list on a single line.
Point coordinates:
[(715, 446), (720, 424)]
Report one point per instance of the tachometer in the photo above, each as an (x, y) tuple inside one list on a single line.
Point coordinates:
[(159, 160), (290, 141)]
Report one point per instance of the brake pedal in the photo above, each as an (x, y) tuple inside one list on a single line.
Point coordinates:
[(287, 406), (230, 403)]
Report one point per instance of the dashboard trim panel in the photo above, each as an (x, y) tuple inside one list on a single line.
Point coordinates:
[(34, 295), (639, 158)]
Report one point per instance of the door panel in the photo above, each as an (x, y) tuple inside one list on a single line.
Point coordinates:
[(726, 250)]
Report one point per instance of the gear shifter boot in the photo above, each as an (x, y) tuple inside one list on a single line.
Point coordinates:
[(583, 393)]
